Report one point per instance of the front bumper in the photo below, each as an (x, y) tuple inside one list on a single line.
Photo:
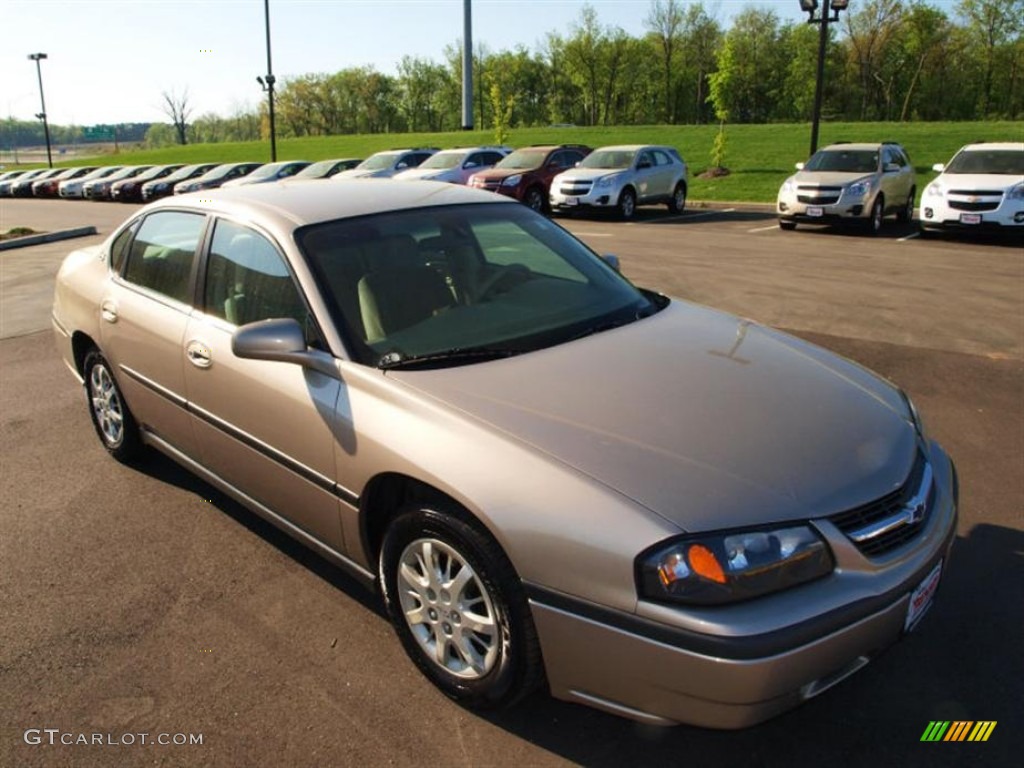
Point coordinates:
[(942, 213), (595, 197), (792, 209), (635, 667)]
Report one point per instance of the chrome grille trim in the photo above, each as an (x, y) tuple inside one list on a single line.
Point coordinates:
[(893, 520)]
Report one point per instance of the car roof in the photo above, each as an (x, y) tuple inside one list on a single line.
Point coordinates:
[(294, 203), (1002, 145), (863, 145)]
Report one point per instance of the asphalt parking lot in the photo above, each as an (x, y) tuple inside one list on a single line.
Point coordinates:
[(140, 600)]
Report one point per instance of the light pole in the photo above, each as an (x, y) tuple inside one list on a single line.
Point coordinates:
[(467, 65), (37, 57), (824, 19), (267, 83)]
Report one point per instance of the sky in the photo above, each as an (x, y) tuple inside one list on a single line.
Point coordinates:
[(110, 60)]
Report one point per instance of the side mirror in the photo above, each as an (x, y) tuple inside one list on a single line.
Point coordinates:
[(939, 167), (279, 340), (799, 166), (612, 261), (892, 167), (643, 164), (471, 164), (401, 166)]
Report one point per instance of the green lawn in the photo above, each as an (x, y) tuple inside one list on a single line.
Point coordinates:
[(759, 156)]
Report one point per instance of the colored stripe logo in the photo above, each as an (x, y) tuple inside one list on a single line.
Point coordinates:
[(958, 730)]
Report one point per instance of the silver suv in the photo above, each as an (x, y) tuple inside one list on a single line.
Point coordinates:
[(621, 178), (386, 164), (845, 182)]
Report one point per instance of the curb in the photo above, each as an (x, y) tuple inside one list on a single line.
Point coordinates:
[(48, 237)]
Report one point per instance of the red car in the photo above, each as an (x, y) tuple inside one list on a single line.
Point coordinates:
[(526, 174)]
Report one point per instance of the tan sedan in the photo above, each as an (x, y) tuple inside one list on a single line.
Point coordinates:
[(552, 476)]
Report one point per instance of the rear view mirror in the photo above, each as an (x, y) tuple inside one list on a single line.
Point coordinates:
[(279, 340), (799, 166), (612, 261), (939, 167)]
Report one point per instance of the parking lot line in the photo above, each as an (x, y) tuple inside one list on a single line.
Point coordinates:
[(763, 229), (594, 234), (911, 236), (691, 216)]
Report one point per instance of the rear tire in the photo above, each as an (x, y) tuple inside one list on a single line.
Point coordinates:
[(115, 425), (459, 608), (906, 214), (677, 202)]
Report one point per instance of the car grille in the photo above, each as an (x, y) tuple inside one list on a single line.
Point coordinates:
[(893, 520), (576, 188), (977, 192), (963, 205), (819, 195)]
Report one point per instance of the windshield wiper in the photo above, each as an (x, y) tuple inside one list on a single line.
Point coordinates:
[(610, 325), (455, 356)]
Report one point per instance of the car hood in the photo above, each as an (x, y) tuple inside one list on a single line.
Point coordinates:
[(706, 419), (976, 181), (828, 178), (355, 173), (588, 174), (430, 174)]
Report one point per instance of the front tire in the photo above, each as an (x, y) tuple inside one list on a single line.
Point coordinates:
[(787, 225), (115, 425), (627, 204), (459, 608), (534, 200), (874, 222)]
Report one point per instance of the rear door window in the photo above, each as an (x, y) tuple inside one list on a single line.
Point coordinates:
[(163, 251)]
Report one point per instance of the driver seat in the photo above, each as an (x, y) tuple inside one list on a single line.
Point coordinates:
[(394, 298)]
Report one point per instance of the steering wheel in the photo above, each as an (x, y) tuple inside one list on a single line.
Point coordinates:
[(511, 274)]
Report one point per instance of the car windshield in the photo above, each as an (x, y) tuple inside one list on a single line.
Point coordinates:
[(377, 162), (266, 171), (997, 161), (449, 282), (218, 173), (608, 158), (844, 161), (152, 173), (523, 160), (182, 173), (100, 173), (443, 160)]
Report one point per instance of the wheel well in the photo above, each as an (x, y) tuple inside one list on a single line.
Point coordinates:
[(384, 496), (80, 345)]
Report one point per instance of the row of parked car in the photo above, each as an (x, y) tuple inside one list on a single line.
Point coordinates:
[(863, 183), (548, 177)]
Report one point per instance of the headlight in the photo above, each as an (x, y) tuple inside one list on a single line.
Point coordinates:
[(606, 181), (731, 566), (934, 190), (788, 187), (859, 188), (513, 180), (1015, 193)]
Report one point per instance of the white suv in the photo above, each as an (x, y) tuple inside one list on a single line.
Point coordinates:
[(621, 178), (455, 166), (981, 188)]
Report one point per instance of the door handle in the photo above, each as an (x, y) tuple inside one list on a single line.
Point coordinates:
[(108, 311), (198, 354)]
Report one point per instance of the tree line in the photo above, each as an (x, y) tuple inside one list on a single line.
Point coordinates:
[(885, 60)]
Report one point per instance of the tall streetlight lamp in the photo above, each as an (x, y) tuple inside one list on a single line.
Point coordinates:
[(467, 65), (823, 19), (267, 84), (37, 57)]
